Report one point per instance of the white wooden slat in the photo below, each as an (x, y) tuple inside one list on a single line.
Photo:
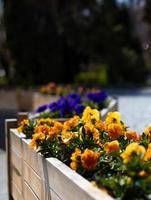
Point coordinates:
[(16, 194), (54, 196), (34, 181), (9, 123), (28, 193), (32, 158), (67, 184), (16, 141)]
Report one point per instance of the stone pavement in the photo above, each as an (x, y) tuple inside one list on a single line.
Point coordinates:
[(135, 108)]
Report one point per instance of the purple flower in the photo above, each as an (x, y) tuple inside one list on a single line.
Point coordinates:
[(53, 107), (79, 109), (73, 99), (74, 96), (41, 108), (97, 97)]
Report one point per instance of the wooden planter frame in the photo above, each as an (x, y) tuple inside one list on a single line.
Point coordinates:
[(32, 177)]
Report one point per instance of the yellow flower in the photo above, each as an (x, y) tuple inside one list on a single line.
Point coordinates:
[(113, 117), (132, 135), (91, 131), (114, 131), (147, 156), (35, 138), (147, 131), (39, 136), (66, 136), (89, 159), (131, 150), (112, 146), (75, 158), (90, 115), (46, 121)]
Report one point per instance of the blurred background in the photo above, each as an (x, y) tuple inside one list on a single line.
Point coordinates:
[(97, 43), (103, 43)]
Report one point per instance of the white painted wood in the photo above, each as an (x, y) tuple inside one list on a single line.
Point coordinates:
[(32, 158), (54, 196), (16, 178), (28, 193), (16, 141), (113, 106), (67, 184), (16, 194), (34, 181), (16, 169), (9, 123)]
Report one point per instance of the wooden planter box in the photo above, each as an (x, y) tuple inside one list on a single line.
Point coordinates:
[(28, 100), (40, 99), (32, 177)]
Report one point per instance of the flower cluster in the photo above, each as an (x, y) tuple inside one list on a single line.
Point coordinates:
[(54, 89), (60, 90), (106, 153), (73, 104)]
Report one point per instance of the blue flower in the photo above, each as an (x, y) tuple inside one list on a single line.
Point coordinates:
[(73, 99), (53, 107), (74, 96), (79, 109), (97, 97), (42, 108)]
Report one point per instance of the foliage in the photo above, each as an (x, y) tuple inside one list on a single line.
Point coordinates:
[(106, 153)]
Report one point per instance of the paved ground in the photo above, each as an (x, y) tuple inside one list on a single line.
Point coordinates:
[(3, 177), (136, 111), (135, 107)]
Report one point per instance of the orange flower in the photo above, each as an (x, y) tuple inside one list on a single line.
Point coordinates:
[(71, 123), (114, 131), (142, 173), (132, 135), (33, 144), (89, 159), (112, 146), (55, 130), (73, 165), (42, 129), (100, 125), (23, 124), (148, 153)]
